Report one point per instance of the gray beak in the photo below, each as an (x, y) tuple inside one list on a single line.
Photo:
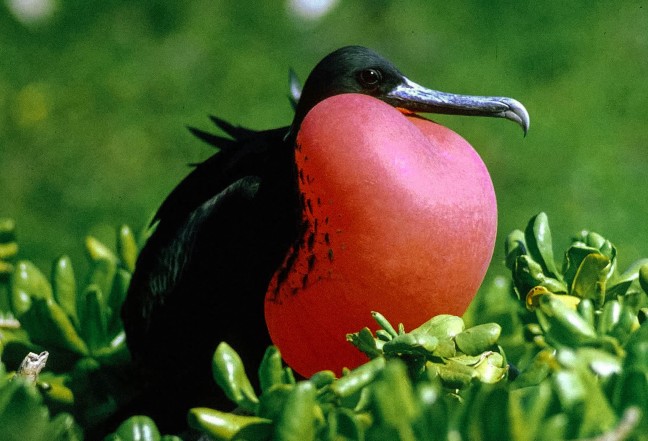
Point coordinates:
[(411, 96)]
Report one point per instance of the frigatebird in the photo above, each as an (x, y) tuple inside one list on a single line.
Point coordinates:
[(224, 232)]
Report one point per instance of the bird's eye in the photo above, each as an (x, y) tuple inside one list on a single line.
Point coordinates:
[(369, 78)]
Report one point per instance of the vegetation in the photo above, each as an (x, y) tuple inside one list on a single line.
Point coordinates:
[(551, 353)]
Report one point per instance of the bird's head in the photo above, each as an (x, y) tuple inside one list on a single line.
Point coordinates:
[(356, 69)]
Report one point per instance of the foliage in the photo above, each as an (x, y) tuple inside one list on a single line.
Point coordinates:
[(78, 323), (404, 391), (589, 271), (548, 354), (380, 400), (586, 323), (23, 416), (139, 428), (443, 346)]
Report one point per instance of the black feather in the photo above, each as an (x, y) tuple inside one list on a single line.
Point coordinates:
[(237, 132), (211, 139)]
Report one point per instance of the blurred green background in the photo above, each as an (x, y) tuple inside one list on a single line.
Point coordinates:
[(95, 96)]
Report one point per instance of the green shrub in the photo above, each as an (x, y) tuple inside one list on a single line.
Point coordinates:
[(548, 354)]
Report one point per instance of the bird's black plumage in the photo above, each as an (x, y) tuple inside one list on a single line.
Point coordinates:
[(225, 229), (201, 276)]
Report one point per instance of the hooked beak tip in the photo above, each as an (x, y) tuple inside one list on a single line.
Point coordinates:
[(517, 113)]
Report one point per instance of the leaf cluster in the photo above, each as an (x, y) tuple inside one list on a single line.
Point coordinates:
[(23, 415), (553, 354), (76, 321)]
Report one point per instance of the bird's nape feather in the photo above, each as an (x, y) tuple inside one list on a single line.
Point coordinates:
[(237, 132)]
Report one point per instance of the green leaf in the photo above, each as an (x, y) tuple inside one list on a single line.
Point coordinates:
[(442, 326), (586, 310), (27, 283), (98, 251), (229, 374), (411, 344), (514, 246), (22, 413), (581, 397), (116, 299), (619, 285), (56, 390), (322, 378), (102, 275), (127, 247), (624, 325), (94, 321), (271, 401), (381, 334), (455, 375), (491, 368), (7, 230), (589, 281), (8, 250), (539, 243), (48, 325), (432, 423), (601, 362), (609, 317), (300, 416), (554, 428), (260, 431), (643, 277), (573, 259), (115, 353), (527, 274), (138, 428), (225, 426), (637, 348), (539, 369), (394, 401), (529, 407), (63, 428), (346, 424), (563, 325), (365, 342), (480, 338), (358, 378), (384, 323), (23, 417), (64, 286), (446, 348), (595, 240), (570, 388), (271, 370), (632, 390), (491, 416)]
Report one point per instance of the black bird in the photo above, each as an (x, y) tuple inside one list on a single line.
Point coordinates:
[(225, 230)]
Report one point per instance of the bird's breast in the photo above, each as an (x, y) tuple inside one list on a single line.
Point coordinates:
[(398, 216)]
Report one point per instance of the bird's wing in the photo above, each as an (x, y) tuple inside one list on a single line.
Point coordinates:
[(172, 258), (231, 208), (218, 171)]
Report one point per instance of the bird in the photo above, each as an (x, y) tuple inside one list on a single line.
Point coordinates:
[(225, 232)]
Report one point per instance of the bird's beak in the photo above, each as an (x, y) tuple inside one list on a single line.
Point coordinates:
[(416, 98)]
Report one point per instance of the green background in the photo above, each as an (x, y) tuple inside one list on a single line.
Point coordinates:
[(94, 103)]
